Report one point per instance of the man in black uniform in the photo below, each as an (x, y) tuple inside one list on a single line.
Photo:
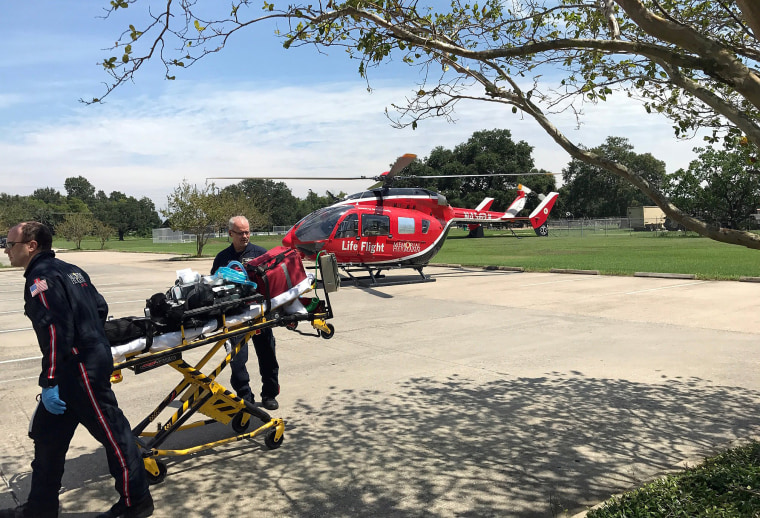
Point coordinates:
[(67, 314), (242, 250)]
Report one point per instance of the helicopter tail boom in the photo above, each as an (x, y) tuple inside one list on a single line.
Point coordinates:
[(485, 204), (539, 216)]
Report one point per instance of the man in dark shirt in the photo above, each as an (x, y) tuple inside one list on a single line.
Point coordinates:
[(67, 314), (242, 250)]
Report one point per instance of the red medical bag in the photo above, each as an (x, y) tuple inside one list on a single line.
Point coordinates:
[(276, 271)]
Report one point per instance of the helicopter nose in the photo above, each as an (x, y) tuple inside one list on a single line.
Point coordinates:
[(288, 239), (307, 249), (310, 249)]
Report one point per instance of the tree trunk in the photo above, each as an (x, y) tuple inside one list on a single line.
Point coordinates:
[(751, 11)]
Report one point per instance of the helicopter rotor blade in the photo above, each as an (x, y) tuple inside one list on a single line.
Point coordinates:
[(291, 178), (471, 175), (383, 179), (401, 163)]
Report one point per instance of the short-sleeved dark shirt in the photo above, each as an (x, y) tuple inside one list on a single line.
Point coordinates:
[(229, 254)]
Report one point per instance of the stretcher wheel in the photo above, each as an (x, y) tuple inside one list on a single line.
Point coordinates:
[(327, 334), (237, 423), (270, 442), (157, 479), (291, 326)]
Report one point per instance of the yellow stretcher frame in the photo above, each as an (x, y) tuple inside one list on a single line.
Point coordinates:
[(201, 392)]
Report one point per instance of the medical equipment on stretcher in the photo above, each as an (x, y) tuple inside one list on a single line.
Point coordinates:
[(222, 324), (288, 301)]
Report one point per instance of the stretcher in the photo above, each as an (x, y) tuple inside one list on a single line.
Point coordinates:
[(199, 392)]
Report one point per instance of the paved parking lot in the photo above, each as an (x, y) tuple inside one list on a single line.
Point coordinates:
[(481, 394)]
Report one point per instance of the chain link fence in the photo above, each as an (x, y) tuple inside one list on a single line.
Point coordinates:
[(167, 235), (280, 229), (605, 226)]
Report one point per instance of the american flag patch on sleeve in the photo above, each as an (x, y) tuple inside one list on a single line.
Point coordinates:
[(38, 287)]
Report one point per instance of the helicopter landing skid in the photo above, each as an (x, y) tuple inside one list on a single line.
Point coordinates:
[(375, 278)]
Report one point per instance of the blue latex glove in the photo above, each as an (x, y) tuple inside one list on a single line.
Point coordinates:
[(52, 401)]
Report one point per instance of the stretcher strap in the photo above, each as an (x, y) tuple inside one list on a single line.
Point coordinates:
[(287, 276), (148, 337)]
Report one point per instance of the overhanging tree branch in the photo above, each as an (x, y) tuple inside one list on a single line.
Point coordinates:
[(693, 61)]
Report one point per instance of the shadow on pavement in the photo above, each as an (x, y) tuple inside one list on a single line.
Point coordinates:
[(528, 447)]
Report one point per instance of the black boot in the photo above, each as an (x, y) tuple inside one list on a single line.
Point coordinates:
[(141, 509), (26, 511)]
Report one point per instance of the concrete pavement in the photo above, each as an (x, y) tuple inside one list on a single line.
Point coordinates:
[(481, 394)]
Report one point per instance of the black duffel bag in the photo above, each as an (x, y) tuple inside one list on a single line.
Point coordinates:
[(124, 330)]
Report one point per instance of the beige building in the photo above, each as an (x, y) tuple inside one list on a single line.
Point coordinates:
[(646, 218)]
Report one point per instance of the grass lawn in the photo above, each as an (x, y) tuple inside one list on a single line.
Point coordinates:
[(611, 253), (135, 244)]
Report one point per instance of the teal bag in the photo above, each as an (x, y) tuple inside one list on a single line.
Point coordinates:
[(229, 273)]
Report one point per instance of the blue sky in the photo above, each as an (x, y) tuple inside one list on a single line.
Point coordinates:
[(254, 109)]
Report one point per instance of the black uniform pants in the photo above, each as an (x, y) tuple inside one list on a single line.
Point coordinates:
[(269, 369), (85, 387)]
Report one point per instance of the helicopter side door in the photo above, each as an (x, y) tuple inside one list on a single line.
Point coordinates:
[(374, 244), (347, 239)]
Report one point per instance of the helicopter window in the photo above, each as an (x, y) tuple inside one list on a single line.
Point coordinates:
[(376, 225), (349, 227), (425, 226), (320, 224), (406, 225)]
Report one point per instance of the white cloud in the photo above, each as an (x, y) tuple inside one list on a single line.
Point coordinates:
[(146, 146), (7, 100)]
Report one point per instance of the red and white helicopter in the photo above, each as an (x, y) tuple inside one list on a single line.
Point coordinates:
[(397, 227)]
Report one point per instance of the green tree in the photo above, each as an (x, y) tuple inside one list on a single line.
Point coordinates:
[(717, 188), (12, 211), (200, 211), (81, 188), (273, 201), (694, 61), (146, 217), (15, 208), (75, 205), (236, 204), (75, 227), (593, 192), (50, 206), (115, 212), (485, 156), (49, 196), (312, 202), (102, 232), (126, 213)]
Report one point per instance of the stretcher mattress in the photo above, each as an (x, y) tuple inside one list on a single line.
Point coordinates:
[(288, 300)]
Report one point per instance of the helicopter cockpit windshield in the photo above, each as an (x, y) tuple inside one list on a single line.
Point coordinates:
[(319, 225)]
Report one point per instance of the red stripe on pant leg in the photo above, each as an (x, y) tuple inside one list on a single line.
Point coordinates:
[(109, 434)]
